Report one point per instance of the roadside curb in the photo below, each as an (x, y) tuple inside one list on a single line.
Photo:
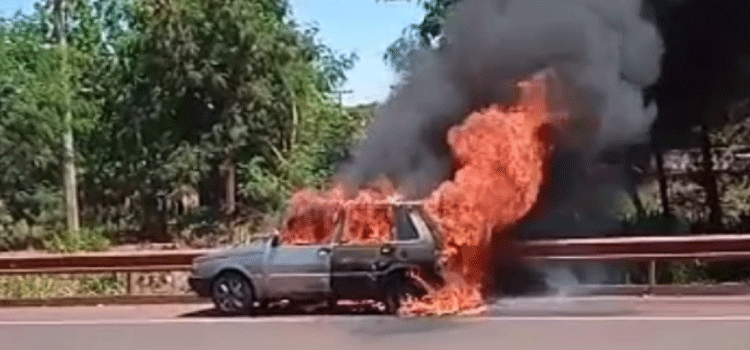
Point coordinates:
[(104, 300)]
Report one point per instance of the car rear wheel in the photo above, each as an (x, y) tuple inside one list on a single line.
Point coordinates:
[(397, 289), (232, 294)]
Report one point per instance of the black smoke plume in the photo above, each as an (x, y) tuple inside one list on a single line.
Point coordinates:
[(602, 52)]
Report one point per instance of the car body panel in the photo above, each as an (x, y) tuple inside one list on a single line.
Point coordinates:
[(358, 270), (354, 271), (296, 271), (331, 270), (247, 260)]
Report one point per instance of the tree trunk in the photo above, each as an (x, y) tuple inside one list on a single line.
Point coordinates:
[(70, 187), (155, 227), (228, 173), (709, 181), (69, 178), (295, 122), (663, 185), (635, 198), (634, 174)]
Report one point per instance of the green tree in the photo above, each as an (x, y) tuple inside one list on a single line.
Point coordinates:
[(224, 96), (43, 102), (230, 74), (26, 139), (418, 35)]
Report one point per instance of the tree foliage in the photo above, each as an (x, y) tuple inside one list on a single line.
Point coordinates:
[(164, 93), (37, 88), (424, 34)]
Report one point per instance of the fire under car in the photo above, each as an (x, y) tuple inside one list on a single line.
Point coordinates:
[(246, 279)]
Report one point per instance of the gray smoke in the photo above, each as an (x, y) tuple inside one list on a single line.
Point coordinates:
[(603, 53)]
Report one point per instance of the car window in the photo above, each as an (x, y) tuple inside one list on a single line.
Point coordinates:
[(422, 226), (405, 230), (335, 234), (301, 230), (367, 226)]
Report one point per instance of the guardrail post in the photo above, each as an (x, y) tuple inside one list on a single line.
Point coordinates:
[(129, 283), (652, 273)]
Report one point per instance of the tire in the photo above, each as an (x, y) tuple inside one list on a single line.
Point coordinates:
[(398, 288), (232, 294)]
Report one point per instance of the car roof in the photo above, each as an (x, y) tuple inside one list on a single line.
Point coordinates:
[(395, 203)]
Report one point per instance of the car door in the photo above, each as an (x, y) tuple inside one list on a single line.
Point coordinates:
[(355, 268), (352, 272), (414, 245), (299, 271)]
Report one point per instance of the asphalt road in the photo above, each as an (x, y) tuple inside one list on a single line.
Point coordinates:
[(585, 323)]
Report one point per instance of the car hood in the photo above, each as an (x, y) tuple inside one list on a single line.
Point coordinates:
[(248, 249)]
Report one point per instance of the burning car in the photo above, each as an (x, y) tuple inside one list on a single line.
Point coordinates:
[(342, 245), (338, 268)]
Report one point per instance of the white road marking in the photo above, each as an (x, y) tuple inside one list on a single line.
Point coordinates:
[(739, 318), (109, 322), (136, 322), (644, 298)]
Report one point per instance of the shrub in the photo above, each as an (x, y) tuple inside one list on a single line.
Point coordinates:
[(87, 239), (42, 287), (19, 236)]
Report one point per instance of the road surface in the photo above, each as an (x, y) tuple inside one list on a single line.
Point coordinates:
[(583, 323)]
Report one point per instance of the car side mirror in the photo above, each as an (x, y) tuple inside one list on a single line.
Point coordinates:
[(275, 240)]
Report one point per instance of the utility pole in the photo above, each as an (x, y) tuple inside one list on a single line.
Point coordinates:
[(70, 186), (341, 95)]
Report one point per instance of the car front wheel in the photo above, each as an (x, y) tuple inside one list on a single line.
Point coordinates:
[(232, 294)]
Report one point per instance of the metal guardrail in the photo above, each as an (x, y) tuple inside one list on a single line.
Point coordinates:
[(724, 247), (102, 262), (714, 247), (709, 247), (105, 261)]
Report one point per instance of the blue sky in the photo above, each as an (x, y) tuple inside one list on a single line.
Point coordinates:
[(366, 27), (9, 7)]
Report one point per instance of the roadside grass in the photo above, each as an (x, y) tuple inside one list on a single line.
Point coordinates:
[(44, 287), (93, 285), (85, 240), (689, 273)]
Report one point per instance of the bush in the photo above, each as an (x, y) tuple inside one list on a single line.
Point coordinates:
[(19, 236), (28, 222), (105, 285), (655, 222), (42, 287), (688, 273), (87, 239)]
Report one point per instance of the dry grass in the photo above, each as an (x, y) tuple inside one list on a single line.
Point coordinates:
[(60, 286), (44, 287)]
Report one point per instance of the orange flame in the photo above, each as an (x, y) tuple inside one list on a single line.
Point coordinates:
[(454, 298), (313, 216), (500, 160)]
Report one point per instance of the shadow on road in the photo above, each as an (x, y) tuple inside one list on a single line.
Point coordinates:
[(211, 312), (291, 311), (517, 307)]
